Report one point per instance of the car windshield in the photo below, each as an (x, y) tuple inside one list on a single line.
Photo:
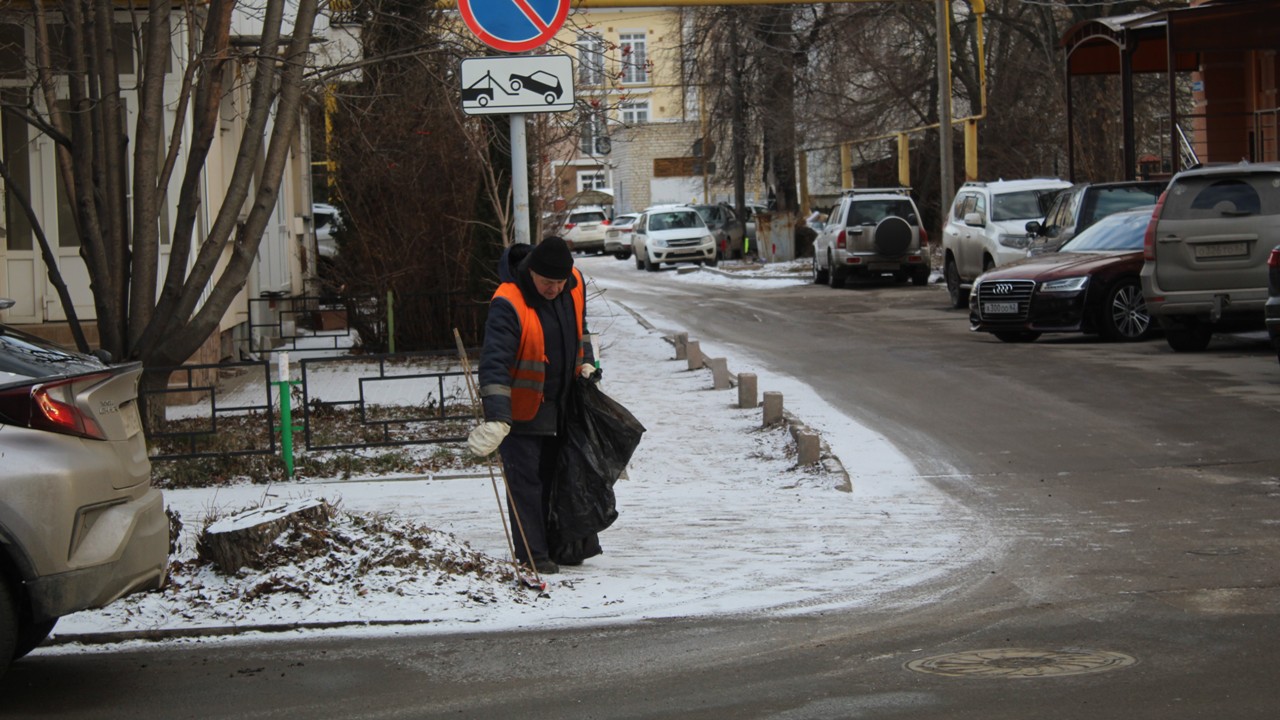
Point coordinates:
[(1114, 233), (24, 356), (675, 220), (871, 212), (710, 214), (1113, 200), (1022, 205), (586, 217)]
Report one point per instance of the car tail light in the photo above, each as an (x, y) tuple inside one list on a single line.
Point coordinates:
[(605, 222), (1273, 260), (1149, 238), (570, 226), (51, 406), (840, 240)]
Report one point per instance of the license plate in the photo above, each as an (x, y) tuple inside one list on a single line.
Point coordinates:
[(132, 423), (1214, 250), (1000, 308)]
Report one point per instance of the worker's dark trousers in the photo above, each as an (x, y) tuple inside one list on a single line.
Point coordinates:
[(530, 463)]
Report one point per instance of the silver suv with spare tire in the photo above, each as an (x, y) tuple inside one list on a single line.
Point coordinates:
[(1206, 250), (872, 232)]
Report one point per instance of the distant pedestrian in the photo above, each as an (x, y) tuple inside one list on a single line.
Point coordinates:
[(534, 347)]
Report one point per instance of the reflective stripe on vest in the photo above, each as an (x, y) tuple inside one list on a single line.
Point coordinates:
[(529, 373)]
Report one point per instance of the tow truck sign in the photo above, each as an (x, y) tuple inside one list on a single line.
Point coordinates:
[(517, 84)]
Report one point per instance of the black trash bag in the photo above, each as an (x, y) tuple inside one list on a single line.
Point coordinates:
[(599, 437)]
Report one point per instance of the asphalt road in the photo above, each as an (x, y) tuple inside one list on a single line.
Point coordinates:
[(1138, 491)]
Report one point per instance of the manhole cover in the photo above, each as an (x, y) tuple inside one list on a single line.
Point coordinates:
[(1021, 663)]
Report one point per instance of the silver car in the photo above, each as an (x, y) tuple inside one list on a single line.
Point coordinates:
[(1206, 251), (80, 523)]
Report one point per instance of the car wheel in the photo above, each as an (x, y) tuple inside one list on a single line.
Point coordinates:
[(1124, 314), (835, 278), (8, 623), (713, 261), (622, 254), (1016, 336), (1191, 336), (920, 277), (819, 275), (959, 296), (639, 262), (649, 264), (30, 635)]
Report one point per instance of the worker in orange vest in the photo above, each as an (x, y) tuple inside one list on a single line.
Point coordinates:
[(535, 343)]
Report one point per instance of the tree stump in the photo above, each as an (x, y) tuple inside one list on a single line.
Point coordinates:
[(243, 539)]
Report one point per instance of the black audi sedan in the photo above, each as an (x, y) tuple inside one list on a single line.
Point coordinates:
[(1090, 285)]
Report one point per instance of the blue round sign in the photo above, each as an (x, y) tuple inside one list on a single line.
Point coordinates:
[(514, 25)]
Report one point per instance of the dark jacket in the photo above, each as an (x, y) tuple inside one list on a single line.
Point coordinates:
[(502, 340)]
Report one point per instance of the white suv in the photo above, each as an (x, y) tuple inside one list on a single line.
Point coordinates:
[(987, 227)]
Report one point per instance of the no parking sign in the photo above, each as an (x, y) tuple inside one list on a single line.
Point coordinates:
[(514, 25)]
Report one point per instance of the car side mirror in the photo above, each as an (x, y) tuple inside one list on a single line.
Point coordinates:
[(975, 219), (104, 355), (1034, 228)]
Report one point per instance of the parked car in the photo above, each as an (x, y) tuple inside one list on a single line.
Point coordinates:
[(1083, 204), (752, 210), (1273, 299), (326, 220), (671, 235), (1207, 249), (986, 228), (872, 232), (617, 238), (584, 228), (1091, 285), (725, 227), (80, 523)]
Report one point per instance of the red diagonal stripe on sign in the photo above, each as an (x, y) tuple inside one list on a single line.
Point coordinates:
[(532, 14)]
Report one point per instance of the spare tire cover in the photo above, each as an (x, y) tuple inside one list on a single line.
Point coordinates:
[(892, 236)]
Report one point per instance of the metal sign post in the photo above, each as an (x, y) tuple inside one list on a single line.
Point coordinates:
[(516, 85)]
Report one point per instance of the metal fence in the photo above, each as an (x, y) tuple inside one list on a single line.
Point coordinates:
[(338, 403)]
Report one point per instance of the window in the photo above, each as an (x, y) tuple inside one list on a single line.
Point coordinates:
[(13, 51), (635, 58), (634, 113), (13, 143), (591, 180), (590, 60), (592, 128)]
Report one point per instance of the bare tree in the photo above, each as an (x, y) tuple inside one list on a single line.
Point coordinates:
[(116, 178)]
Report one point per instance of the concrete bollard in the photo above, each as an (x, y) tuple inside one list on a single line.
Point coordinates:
[(747, 390), (808, 448), (719, 373), (772, 408), (694, 351), (682, 342)]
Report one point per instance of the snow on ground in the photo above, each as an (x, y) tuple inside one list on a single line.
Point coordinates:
[(714, 518)]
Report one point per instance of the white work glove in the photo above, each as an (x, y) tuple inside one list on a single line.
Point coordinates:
[(487, 437), (590, 372)]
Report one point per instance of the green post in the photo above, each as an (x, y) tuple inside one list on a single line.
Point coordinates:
[(391, 321), (286, 428)]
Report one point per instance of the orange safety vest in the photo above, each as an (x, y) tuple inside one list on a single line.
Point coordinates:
[(529, 373)]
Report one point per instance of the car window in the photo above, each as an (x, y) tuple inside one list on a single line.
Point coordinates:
[(1196, 198), (1112, 200), (870, 212), (964, 206), (586, 217), (1124, 231), (1021, 205), (27, 356), (675, 220)]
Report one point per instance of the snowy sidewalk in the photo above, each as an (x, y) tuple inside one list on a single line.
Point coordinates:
[(714, 518)]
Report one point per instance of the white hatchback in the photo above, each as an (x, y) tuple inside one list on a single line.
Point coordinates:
[(584, 229), (671, 235)]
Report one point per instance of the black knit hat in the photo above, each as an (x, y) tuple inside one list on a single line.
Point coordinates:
[(551, 258)]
